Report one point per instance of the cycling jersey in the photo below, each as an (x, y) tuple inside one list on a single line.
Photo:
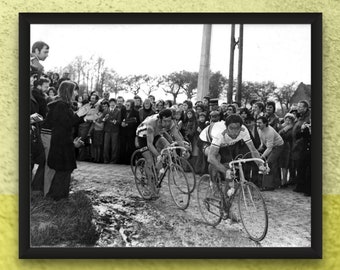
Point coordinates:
[(154, 122), (212, 131), (223, 139)]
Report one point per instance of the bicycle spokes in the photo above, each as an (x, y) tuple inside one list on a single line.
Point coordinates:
[(253, 211)]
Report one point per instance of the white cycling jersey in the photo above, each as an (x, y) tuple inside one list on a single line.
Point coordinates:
[(216, 134), (211, 131)]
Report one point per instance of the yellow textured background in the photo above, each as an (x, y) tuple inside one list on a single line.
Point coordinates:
[(9, 127)]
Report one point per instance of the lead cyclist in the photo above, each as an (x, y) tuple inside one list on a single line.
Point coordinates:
[(231, 141), (156, 132)]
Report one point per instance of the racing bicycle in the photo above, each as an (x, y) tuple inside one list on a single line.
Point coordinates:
[(215, 204), (149, 187)]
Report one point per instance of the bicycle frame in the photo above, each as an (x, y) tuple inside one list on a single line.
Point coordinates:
[(238, 181)]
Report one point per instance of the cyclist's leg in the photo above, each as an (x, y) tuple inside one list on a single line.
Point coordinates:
[(160, 143), (141, 142), (226, 157)]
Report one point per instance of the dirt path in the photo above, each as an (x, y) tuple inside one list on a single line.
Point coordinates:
[(124, 219)]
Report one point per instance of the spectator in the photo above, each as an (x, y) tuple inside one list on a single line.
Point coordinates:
[(83, 129), (244, 113), (38, 92), (224, 107), (258, 110), (138, 102), (38, 113), (167, 104), (214, 117), (61, 156), (286, 132), (273, 119), (51, 93), (79, 100), (201, 162), (129, 126), (39, 53), (146, 110), (159, 106), (54, 80), (153, 102), (206, 101), (230, 110), (97, 134), (271, 148), (300, 149), (237, 106), (64, 77), (112, 120)]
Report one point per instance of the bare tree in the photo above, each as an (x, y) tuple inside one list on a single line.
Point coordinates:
[(284, 94), (134, 83), (172, 84)]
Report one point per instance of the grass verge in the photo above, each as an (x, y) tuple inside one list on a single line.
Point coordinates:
[(68, 222)]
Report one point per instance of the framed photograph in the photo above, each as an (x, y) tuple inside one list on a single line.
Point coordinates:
[(113, 163)]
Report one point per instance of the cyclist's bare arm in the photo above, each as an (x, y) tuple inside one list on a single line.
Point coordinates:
[(254, 152), (177, 136), (212, 159), (149, 139)]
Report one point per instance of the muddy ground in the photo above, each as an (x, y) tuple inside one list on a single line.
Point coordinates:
[(123, 219)]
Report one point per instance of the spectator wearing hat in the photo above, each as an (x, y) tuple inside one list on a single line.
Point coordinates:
[(286, 132), (213, 104)]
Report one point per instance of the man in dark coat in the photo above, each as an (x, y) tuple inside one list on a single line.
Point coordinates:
[(112, 121)]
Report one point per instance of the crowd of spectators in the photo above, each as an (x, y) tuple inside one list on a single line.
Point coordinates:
[(100, 129)]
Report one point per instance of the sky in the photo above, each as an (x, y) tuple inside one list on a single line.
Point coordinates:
[(272, 52)]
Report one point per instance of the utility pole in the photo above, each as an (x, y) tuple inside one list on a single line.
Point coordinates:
[(240, 61), (231, 65), (204, 71)]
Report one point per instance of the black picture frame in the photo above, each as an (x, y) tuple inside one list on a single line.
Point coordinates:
[(26, 19)]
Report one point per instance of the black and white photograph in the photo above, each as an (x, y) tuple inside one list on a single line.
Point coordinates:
[(170, 135)]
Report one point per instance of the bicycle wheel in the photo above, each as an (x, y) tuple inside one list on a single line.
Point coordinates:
[(178, 186), (143, 184), (209, 201), (134, 158), (253, 211), (189, 172)]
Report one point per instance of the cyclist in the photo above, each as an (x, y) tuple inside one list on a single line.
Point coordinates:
[(231, 140), (156, 132)]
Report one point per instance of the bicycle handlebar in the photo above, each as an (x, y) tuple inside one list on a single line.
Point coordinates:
[(244, 160), (169, 148), (265, 170)]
